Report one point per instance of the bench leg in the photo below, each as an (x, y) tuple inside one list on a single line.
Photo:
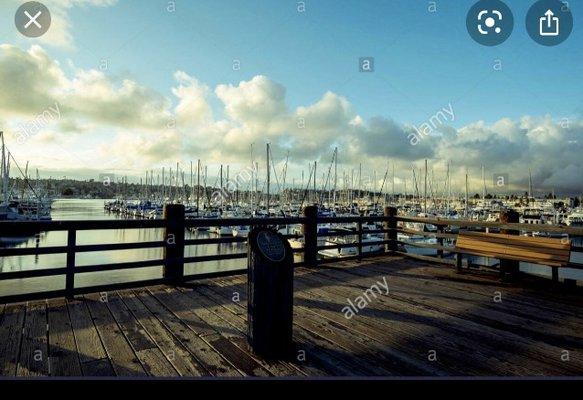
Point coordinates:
[(555, 274), (570, 284), (458, 262), (509, 270)]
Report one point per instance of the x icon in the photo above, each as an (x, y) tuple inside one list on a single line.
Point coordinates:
[(32, 20)]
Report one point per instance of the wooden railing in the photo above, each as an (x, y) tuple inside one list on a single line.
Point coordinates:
[(174, 243)]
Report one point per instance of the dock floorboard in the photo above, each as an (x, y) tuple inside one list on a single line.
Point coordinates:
[(432, 322)]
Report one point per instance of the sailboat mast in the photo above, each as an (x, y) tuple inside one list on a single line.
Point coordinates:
[(359, 180), (484, 183), (198, 187), (191, 183), (335, 172), (448, 184), (221, 183), (268, 178), (467, 196), (529, 184), (393, 185), (425, 190), (315, 195), (5, 177)]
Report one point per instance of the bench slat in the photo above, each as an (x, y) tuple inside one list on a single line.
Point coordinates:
[(524, 259), (504, 238), (545, 251), (511, 248)]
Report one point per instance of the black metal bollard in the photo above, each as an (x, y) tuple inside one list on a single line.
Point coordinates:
[(269, 294)]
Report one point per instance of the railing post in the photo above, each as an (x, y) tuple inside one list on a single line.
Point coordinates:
[(360, 240), (390, 225), (310, 230), (174, 243), (70, 272), (510, 267), (440, 240)]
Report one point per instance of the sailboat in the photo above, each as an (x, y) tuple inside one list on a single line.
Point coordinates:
[(19, 209)]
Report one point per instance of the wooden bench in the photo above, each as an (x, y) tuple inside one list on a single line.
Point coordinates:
[(544, 251)]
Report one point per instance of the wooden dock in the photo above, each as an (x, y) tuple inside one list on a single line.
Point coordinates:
[(433, 322)]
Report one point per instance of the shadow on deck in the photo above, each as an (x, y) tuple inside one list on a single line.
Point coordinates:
[(432, 322)]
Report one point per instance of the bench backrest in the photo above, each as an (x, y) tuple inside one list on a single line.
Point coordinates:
[(553, 252)]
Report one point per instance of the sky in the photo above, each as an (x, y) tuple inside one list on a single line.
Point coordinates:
[(126, 86)]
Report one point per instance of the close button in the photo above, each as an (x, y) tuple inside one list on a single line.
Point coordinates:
[(32, 19)]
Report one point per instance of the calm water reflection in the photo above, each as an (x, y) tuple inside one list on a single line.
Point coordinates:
[(72, 209)]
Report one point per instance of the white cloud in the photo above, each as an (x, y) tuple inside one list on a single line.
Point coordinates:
[(192, 109), (258, 102), (122, 124), (31, 82)]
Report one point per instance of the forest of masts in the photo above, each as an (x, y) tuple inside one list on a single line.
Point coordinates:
[(254, 188)]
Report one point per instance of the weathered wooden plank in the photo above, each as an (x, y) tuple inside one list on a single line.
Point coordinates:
[(400, 361), (514, 239), (201, 294), (416, 336), (11, 326), (180, 306), (384, 364), (151, 357), (63, 352), (171, 347), (235, 303), (236, 315), (98, 368), (370, 353), (329, 356), (476, 283), (504, 346), (367, 352), (515, 299), (416, 343), (86, 336), (316, 364), (34, 354), (536, 250), (205, 354), (198, 331), (509, 342), (92, 354), (517, 249), (131, 328), (156, 363), (524, 256), (237, 307), (121, 355), (486, 311)]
